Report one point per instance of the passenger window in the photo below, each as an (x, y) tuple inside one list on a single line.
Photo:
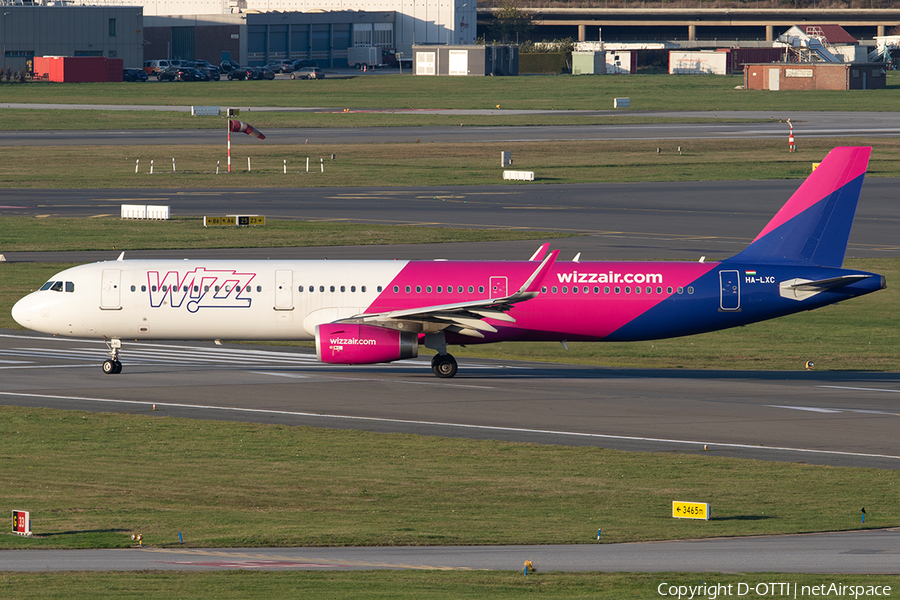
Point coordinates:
[(133, 289), (471, 289), (205, 288), (585, 290), (440, 289), (574, 289), (680, 290), (217, 288), (396, 289), (321, 288), (418, 289), (352, 288), (690, 289), (196, 288), (565, 289), (143, 288), (300, 289), (596, 290), (669, 290), (555, 289), (480, 289), (259, 288), (459, 289), (153, 288), (637, 289), (659, 290), (618, 290), (627, 289), (408, 289), (428, 289)]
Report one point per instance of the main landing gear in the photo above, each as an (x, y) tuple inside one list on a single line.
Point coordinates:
[(112, 366), (444, 365)]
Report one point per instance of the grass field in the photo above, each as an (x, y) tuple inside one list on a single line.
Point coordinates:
[(93, 479), (553, 92), (373, 165), (416, 585)]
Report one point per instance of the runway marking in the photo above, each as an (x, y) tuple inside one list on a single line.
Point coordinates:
[(806, 408), (289, 375), (576, 434), (837, 410), (859, 389), (246, 557)]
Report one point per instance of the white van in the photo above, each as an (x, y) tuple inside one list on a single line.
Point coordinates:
[(152, 67)]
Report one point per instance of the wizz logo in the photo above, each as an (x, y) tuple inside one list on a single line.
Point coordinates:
[(200, 288)]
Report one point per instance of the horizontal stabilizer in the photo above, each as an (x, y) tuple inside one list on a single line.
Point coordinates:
[(800, 289)]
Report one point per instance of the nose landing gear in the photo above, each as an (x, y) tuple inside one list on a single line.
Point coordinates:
[(112, 366)]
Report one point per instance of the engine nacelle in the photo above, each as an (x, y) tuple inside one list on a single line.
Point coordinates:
[(356, 344)]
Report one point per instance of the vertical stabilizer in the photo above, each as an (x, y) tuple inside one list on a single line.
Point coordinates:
[(813, 227)]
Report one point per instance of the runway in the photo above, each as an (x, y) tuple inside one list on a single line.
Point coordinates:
[(849, 552), (759, 125), (615, 221), (831, 418)]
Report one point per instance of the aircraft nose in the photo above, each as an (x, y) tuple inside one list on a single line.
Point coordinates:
[(22, 312)]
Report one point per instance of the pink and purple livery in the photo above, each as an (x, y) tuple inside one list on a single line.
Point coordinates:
[(364, 312)]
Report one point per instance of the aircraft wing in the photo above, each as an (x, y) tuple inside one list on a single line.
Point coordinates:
[(465, 318)]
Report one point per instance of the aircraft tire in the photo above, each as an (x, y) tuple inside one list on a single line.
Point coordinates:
[(444, 365), (109, 367)]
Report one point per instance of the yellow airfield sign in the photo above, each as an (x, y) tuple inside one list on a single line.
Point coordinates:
[(690, 510)]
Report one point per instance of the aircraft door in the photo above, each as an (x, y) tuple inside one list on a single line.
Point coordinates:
[(110, 292), (729, 290), (284, 292), (499, 287)]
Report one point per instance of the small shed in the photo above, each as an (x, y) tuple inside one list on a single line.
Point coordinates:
[(466, 60), (815, 76), (589, 63)]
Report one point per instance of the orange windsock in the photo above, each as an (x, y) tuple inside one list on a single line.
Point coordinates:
[(239, 126)]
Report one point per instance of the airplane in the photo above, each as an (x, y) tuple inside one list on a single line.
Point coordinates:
[(368, 311)]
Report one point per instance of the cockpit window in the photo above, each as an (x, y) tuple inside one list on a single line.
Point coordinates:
[(57, 286), (47, 285), (70, 286)]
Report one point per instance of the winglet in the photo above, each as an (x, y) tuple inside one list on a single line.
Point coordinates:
[(533, 284), (813, 226), (540, 252)]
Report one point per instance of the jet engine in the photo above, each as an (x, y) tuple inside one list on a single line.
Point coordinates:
[(357, 344)]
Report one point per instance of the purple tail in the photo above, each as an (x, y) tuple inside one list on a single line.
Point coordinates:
[(813, 227)]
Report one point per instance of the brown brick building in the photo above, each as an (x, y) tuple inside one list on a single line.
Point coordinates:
[(815, 76)]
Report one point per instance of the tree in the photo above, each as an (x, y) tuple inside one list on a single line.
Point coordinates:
[(511, 23)]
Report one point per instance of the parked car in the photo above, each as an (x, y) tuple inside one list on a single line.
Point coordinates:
[(210, 69), (237, 73), (177, 74), (260, 73), (134, 75), (280, 66), (229, 65), (308, 73), (305, 62)]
